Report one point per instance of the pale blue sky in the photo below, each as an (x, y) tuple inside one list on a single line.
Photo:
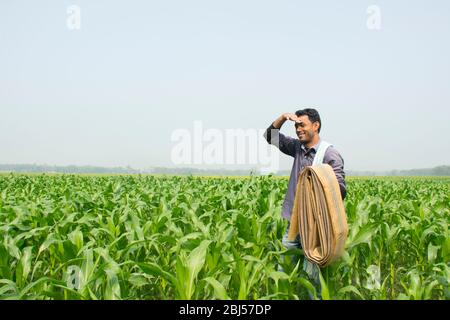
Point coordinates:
[(112, 93)]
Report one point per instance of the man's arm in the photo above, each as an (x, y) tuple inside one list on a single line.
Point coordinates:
[(334, 159), (275, 137)]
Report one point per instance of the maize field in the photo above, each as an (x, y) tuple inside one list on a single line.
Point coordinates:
[(175, 237)]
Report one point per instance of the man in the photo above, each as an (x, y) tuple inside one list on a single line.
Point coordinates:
[(307, 126)]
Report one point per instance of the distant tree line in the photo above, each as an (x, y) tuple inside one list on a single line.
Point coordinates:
[(33, 168), (436, 171), (203, 172)]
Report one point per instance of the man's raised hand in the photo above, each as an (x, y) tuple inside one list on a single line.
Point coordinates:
[(291, 117), (285, 117)]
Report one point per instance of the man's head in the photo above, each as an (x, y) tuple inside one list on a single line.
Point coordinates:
[(309, 125)]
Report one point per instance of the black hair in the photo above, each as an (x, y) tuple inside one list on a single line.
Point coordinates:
[(312, 114)]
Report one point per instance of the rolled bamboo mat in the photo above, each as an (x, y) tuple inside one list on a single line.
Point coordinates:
[(319, 215)]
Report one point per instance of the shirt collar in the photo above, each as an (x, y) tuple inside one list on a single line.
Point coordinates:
[(315, 147)]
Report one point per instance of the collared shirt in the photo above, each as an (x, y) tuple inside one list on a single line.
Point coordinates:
[(303, 157)]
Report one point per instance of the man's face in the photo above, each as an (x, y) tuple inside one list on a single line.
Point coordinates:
[(305, 129)]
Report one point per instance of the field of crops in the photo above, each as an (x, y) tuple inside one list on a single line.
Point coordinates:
[(147, 237)]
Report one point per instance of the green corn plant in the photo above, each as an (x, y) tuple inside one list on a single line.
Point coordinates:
[(183, 237)]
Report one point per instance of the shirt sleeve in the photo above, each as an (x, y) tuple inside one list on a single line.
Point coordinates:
[(334, 159), (284, 143)]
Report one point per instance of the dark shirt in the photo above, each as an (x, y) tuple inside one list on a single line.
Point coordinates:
[(303, 157)]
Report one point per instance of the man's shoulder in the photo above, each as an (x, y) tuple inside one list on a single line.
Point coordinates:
[(332, 152)]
